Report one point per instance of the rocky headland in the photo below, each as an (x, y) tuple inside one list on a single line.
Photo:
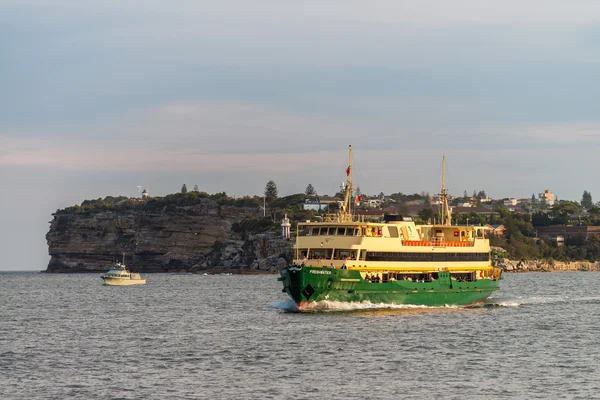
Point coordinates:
[(195, 238)]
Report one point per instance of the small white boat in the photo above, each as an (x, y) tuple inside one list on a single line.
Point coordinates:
[(120, 276)]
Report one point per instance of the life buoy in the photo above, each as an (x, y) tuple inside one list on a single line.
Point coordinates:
[(481, 274)]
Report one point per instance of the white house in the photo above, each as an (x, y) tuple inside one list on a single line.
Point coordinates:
[(374, 202), (318, 204), (548, 196), (314, 205)]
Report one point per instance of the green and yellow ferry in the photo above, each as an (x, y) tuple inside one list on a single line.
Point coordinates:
[(342, 257)]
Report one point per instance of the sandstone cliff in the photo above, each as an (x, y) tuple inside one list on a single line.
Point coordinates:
[(175, 239)]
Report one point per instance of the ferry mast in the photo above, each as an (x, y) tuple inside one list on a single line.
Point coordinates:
[(445, 209), (345, 214)]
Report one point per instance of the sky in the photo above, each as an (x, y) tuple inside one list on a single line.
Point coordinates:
[(100, 97)]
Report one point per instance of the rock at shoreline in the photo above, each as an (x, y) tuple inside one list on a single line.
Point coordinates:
[(544, 265)]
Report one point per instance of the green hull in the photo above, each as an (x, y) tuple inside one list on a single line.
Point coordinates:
[(312, 284)]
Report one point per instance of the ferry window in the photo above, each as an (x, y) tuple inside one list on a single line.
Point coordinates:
[(344, 254), (341, 231), (318, 254), (331, 230), (364, 231), (315, 231), (323, 231), (393, 231), (349, 231), (357, 232)]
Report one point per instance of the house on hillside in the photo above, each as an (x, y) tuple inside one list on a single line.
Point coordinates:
[(319, 203), (496, 230), (417, 202), (548, 197), (485, 211), (373, 214), (558, 239), (567, 230), (374, 203)]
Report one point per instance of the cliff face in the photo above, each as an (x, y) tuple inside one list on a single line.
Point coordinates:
[(176, 239)]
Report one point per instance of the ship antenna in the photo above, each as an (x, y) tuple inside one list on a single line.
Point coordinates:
[(446, 212)]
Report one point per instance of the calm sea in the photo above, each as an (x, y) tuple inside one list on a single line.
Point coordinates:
[(229, 337)]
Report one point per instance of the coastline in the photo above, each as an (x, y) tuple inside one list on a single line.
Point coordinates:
[(508, 266), (212, 271), (519, 266)]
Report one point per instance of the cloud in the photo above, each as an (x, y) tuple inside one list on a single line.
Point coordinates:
[(578, 134), (182, 136), (91, 61), (431, 12), (222, 137)]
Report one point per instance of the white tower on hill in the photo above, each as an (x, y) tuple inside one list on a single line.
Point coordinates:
[(285, 227)]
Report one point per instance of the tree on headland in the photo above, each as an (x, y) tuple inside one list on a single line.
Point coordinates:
[(310, 190), (402, 209), (271, 190), (586, 200), (426, 215), (561, 212), (196, 188), (184, 189), (594, 210)]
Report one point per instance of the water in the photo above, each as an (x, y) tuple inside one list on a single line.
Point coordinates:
[(229, 337)]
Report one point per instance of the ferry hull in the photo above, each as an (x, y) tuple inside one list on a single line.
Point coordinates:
[(123, 282), (306, 285)]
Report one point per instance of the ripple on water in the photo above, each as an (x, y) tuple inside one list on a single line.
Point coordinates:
[(194, 336)]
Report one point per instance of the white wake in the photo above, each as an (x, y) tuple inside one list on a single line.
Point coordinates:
[(332, 306)]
